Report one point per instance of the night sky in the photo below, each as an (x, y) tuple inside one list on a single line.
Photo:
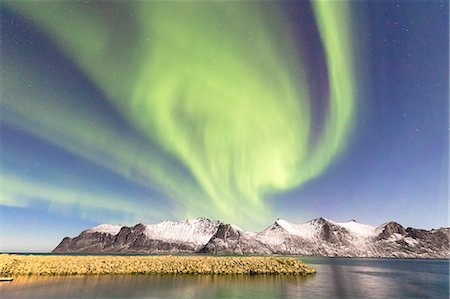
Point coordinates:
[(126, 112)]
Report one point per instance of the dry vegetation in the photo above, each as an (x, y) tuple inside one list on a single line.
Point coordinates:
[(15, 265)]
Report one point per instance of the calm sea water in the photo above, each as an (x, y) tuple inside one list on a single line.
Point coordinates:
[(335, 278)]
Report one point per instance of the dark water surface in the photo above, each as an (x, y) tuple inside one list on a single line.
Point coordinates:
[(335, 278)]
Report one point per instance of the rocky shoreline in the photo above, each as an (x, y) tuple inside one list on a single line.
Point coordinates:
[(17, 265)]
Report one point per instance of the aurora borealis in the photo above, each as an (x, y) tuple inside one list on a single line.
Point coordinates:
[(131, 112)]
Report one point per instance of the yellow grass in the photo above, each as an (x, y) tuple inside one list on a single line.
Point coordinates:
[(16, 265)]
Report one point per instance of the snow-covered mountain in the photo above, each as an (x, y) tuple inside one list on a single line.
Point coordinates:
[(196, 232), (166, 237), (324, 237), (318, 237)]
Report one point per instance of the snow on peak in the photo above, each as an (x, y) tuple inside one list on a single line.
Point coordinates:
[(196, 231), (358, 229), (306, 230), (106, 229), (235, 227), (282, 222), (249, 233), (312, 229)]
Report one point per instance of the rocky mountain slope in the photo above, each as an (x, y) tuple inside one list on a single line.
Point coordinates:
[(318, 237), (165, 237), (230, 239)]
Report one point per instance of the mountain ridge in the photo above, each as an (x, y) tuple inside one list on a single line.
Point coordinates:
[(317, 237)]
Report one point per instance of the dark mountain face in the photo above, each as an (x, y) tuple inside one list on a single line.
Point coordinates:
[(390, 229), (436, 238), (319, 237), (85, 242), (232, 240), (334, 234)]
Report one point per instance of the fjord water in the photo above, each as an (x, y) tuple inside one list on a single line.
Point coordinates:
[(335, 278)]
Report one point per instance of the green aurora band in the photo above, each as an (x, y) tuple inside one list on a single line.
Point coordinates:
[(219, 86)]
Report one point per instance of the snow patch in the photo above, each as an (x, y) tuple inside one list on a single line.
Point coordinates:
[(361, 230), (195, 231), (411, 241), (307, 230), (395, 237), (105, 229), (237, 228)]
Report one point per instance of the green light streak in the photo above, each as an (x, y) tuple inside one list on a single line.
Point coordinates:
[(218, 85), (333, 20), (21, 193)]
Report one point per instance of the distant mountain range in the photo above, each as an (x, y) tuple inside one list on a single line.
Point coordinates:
[(318, 237)]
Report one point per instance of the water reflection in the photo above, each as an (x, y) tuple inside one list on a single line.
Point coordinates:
[(151, 286), (344, 278)]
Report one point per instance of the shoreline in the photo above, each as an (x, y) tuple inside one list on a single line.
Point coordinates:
[(115, 254), (12, 265)]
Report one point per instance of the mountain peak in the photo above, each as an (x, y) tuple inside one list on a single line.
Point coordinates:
[(281, 222), (390, 228), (105, 229), (320, 220)]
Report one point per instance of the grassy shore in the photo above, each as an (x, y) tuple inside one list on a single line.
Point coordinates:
[(15, 265)]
